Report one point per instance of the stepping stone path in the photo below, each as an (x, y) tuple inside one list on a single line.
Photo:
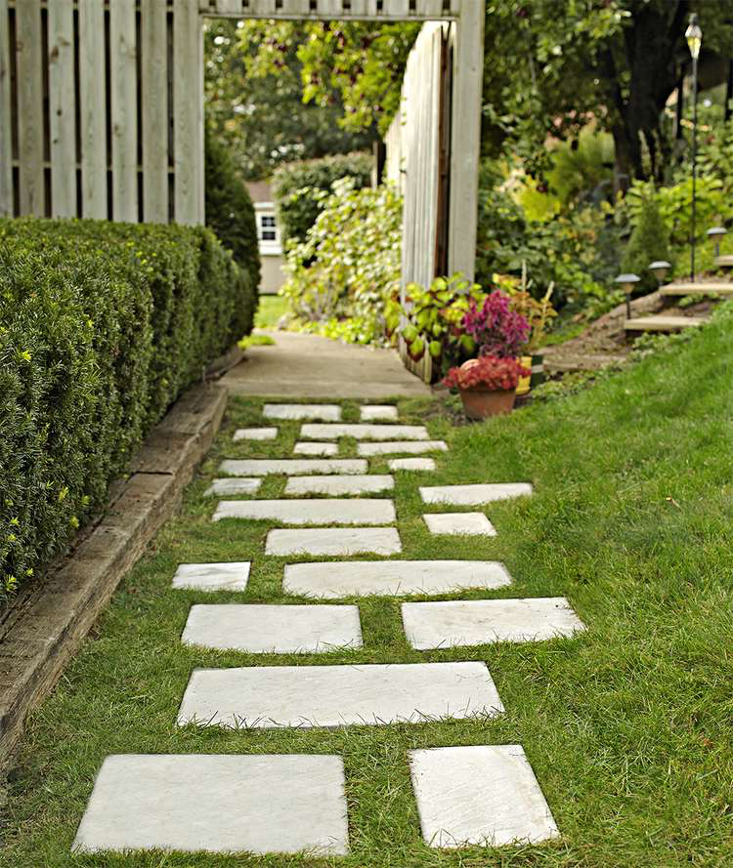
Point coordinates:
[(469, 795)]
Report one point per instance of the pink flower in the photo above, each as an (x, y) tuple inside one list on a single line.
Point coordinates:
[(497, 330)]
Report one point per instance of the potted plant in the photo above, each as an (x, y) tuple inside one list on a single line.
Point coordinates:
[(486, 385), (538, 313)]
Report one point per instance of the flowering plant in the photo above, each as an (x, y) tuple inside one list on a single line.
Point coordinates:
[(494, 373), (495, 327)]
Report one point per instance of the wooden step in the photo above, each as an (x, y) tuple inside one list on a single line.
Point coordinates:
[(662, 323), (701, 287), (724, 261)]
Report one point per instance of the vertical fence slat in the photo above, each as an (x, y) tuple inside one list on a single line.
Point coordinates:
[(396, 8), (154, 115), (330, 7), (123, 110), (364, 7), (262, 8), (93, 108), (188, 72), (6, 140), (430, 7), (30, 107), (229, 7), (62, 120)]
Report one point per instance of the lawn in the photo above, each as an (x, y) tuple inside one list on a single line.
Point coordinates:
[(270, 309), (627, 726)]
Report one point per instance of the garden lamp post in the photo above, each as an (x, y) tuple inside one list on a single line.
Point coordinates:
[(694, 37), (717, 233), (627, 282), (659, 268)]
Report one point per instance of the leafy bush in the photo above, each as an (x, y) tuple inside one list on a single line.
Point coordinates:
[(649, 242), (102, 326), (297, 188)]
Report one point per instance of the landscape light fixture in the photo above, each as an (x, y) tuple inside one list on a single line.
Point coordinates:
[(659, 268), (627, 282), (694, 37), (717, 233)]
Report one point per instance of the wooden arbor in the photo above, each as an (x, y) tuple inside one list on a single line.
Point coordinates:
[(101, 104)]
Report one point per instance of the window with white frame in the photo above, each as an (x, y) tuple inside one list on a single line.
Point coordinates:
[(268, 233)]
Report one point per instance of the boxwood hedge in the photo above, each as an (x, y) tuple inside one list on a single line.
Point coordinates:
[(102, 326)]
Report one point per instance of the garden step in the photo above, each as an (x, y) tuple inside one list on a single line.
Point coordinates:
[(314, 696), (229, 576), (408, 447), (255, 434), (481, 795), (316, 449), (324, 412), (473, 495), (662, 323), (364, 432), (337, 485), (457, 523), (273, 629), (378, 413), (411, 464), (235, 485), (314, 511), (724, 261), (331, 580), (480, 622), (291, 466), (217, 804), (699, 287), (334, 542)]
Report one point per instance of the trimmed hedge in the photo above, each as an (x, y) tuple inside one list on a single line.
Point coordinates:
[(102, 326), (295, 185)]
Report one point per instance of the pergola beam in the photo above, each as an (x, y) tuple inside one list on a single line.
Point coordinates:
[(330, 10)]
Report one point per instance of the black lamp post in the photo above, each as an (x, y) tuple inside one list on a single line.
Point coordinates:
[(693, 38)]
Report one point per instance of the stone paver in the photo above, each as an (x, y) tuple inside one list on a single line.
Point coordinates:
[(337, 485), (329, 580), (309, 512), (325, 412), (411, 464), (457, 523), (478, 622), (273, 629), (291, 466), (309, 696), (217, 804), (378, 413), (395, 447), (316, 449), (484, 794), (240, 485), (255, 434), (231, 576), (334, 542), (364, 432), (473, 495)]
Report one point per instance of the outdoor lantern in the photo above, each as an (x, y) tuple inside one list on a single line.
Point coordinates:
[(717, 233), (659, 268), (694, 37), (627, 282)]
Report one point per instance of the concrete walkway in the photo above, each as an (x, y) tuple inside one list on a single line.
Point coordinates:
[(300, 365)]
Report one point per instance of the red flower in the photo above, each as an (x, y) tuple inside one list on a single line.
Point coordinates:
[(489, 372)]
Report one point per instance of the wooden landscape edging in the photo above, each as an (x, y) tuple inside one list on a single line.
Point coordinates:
[(48, 629)]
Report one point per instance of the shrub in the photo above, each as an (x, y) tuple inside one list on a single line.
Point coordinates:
[(296, 189), (649, 242), (102, 326)]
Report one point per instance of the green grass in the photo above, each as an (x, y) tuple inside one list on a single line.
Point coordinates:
[(626, 726), (269, 310)]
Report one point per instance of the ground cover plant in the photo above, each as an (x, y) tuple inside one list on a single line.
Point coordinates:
[(627, 726)]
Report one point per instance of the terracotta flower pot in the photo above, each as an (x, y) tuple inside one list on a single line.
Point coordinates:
[(480, 403)]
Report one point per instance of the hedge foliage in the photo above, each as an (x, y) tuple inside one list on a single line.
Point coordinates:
[(296, 188), (102, 326)]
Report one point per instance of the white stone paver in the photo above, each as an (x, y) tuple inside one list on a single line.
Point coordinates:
[(329, 580), (237, 485), (268, 629), (217, 804), (309, 512), (338, 485), (334, 541), (473, 495), (230, 576), (378, 413), (291, 466), (457, 523), (255, 434), (324, 412), (411, 464), (364, 432), (307, 696), (484, 794), (478, 622), (323, 449), (395, 447)]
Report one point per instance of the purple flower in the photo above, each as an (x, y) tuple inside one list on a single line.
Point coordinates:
[(497, 330)]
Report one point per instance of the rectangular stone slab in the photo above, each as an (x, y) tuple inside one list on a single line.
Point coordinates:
[(334, 541), (364, 432), (237, 485), (339, 485), (316, 449), (270, 697), (448, 624), (255, 434), (266, 629), (231, 576), (483, 795), (473, 495), (217, 804), (378, 413), (458, 523), (411, 464), (305, 512), (331, 580), (324, 412), (394, 447), (291, 466)]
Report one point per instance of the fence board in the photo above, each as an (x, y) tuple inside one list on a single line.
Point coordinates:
[(229, 7), (262, 7), (62, 120), (396, 9), (154, 114), (188, 98), (6, 138), (93, 108), (30, 107), (124, 110), (330, 7), (364, 7)]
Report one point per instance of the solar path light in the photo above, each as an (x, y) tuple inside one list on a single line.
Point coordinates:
[(627, 282)]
